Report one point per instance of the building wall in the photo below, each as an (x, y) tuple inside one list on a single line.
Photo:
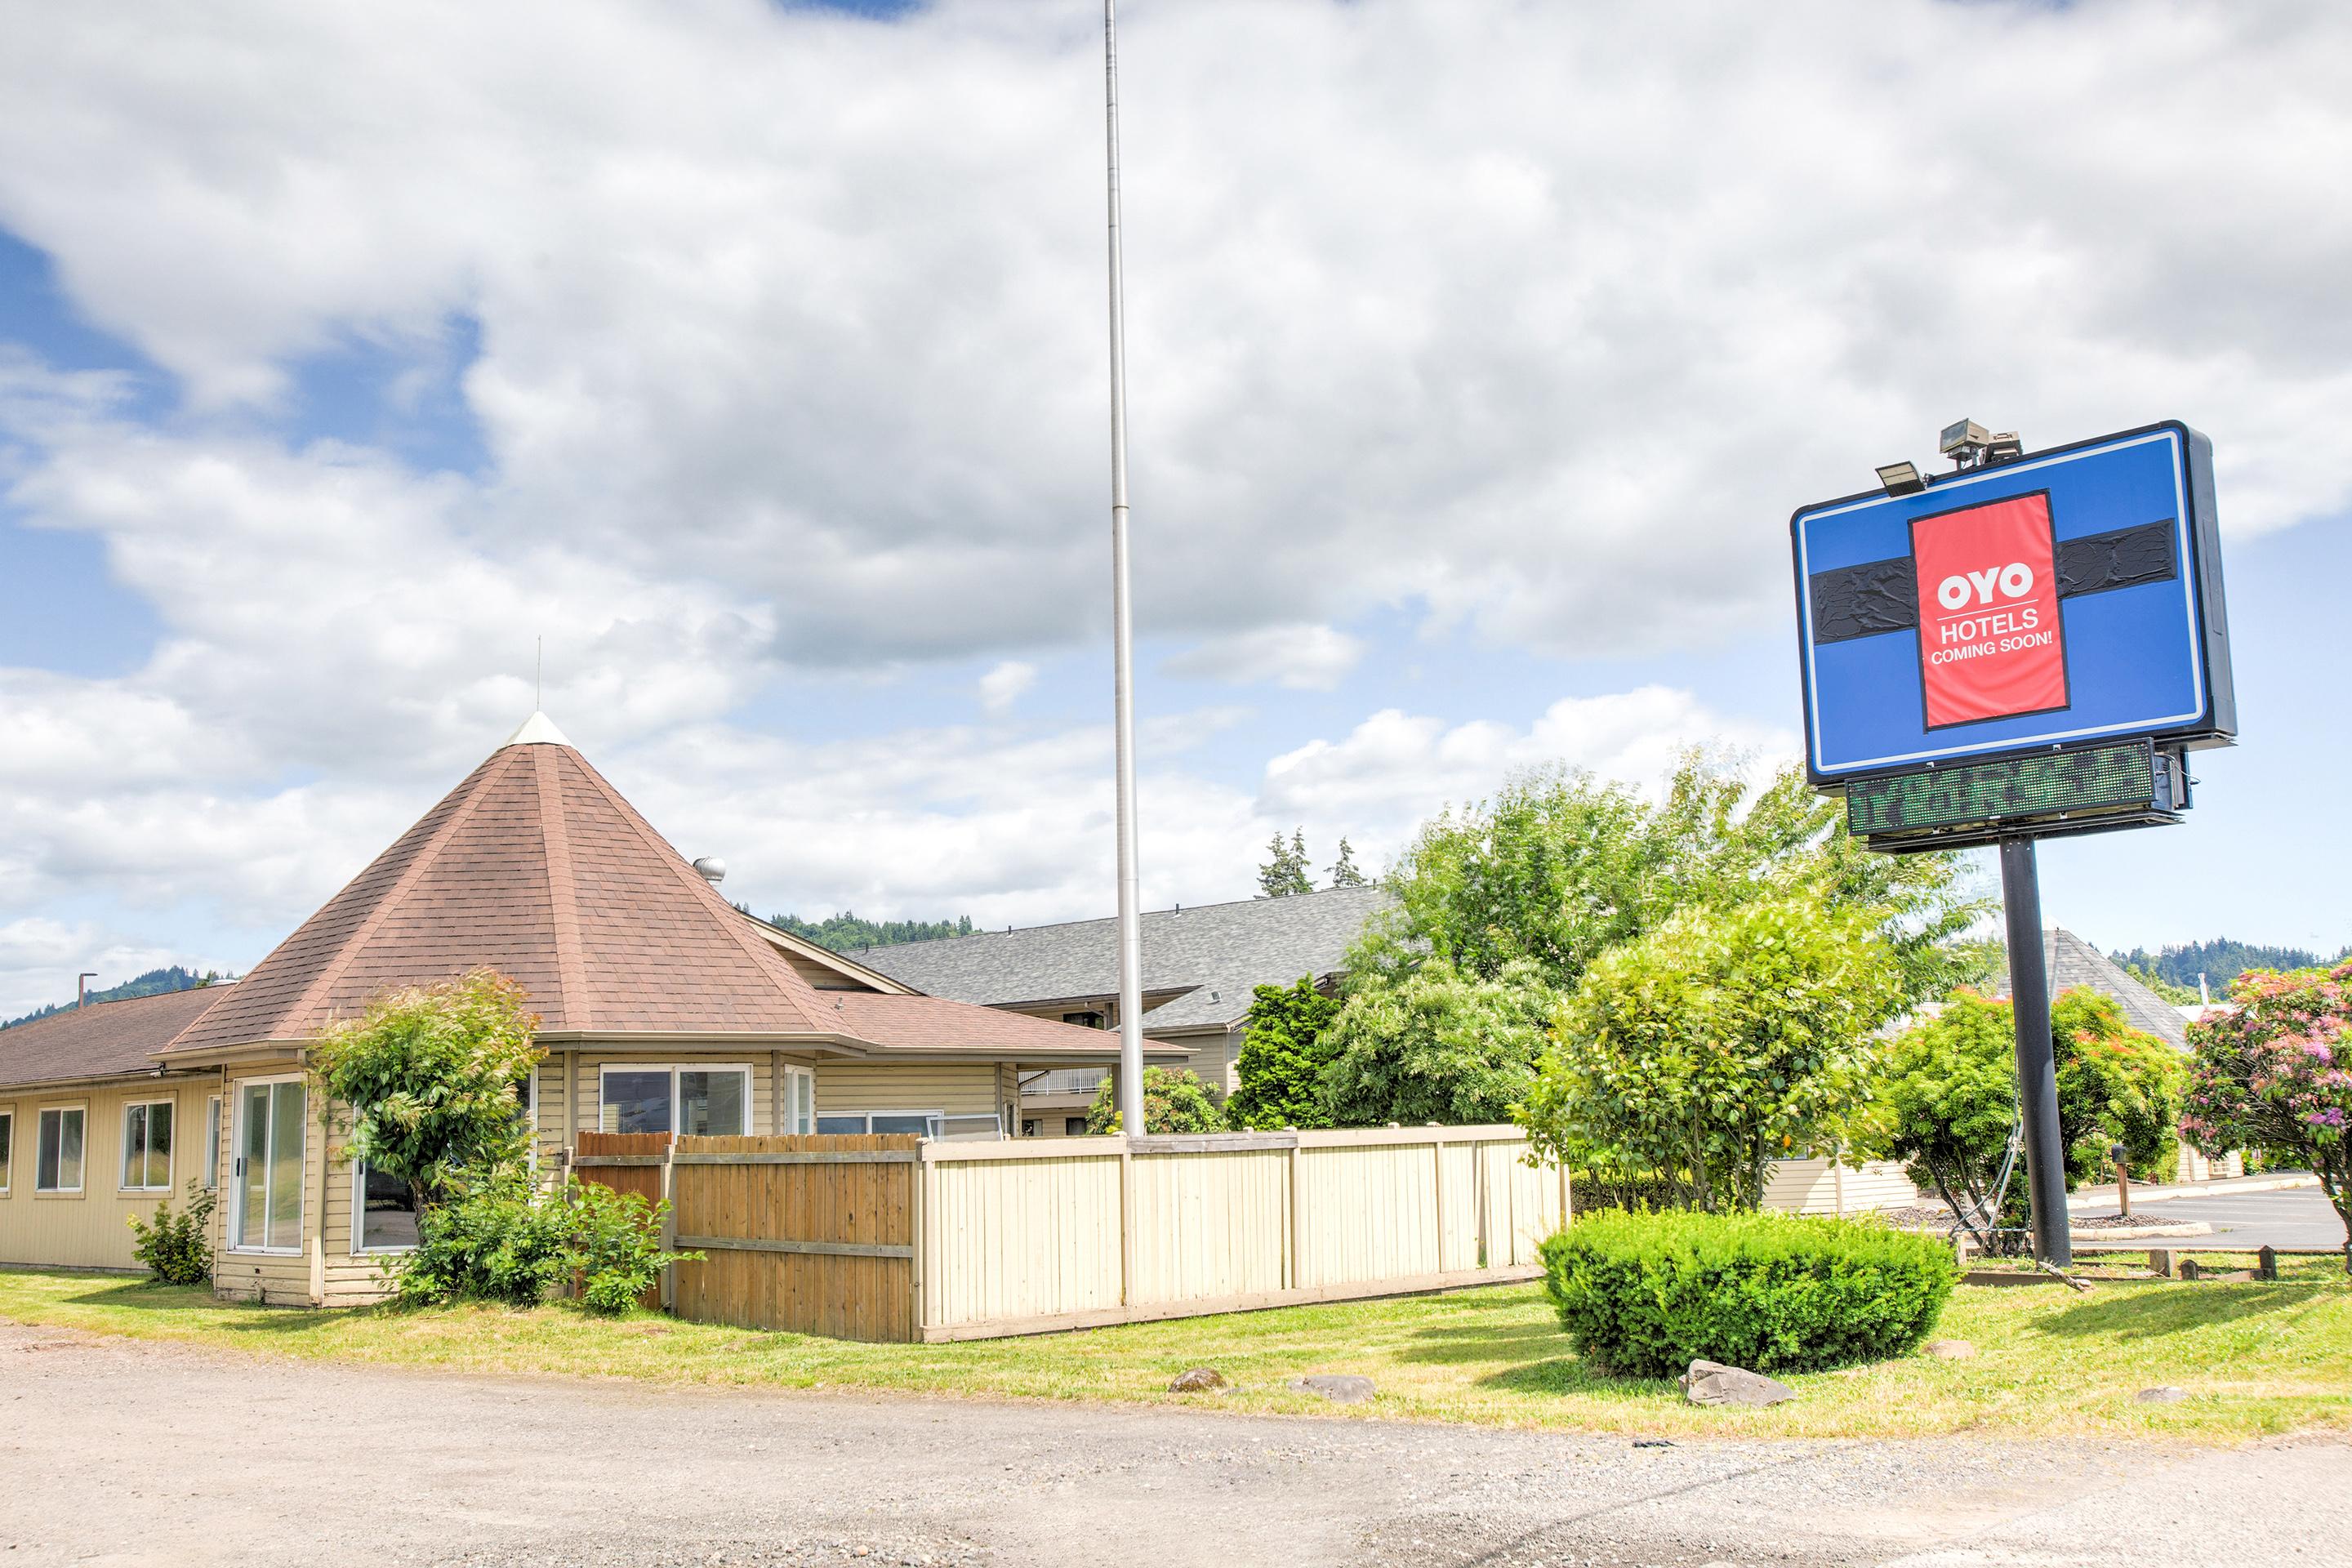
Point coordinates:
[(954, 1088), (89, 1229)]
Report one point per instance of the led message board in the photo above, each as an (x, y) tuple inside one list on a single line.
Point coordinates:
[(2120, 784)]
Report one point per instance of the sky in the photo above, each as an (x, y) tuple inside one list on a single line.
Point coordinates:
[(750, 359)]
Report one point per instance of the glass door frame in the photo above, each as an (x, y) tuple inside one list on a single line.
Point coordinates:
[(237, 1175)]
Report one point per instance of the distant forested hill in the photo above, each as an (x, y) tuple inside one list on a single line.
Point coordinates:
[(2220, 961), (845, 932), (153, 983)]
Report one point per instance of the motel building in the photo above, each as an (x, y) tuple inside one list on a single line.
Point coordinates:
[(662, 1009)]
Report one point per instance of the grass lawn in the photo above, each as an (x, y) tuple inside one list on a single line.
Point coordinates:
[(2254, 1358)]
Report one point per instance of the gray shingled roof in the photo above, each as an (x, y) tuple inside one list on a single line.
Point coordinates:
[(1213, 953), (2073, 962)]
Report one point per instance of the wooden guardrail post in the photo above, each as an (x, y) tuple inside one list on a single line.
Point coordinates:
[(2266, 1267)]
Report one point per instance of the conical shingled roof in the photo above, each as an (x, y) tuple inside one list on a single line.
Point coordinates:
[(535, 867)]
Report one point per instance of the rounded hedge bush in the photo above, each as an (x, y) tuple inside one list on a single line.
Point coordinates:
[(1646, 1294)]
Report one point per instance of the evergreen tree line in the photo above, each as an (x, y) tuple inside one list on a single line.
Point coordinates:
[(846, 932), (154, 983), (1289, 871), (2220, 960)]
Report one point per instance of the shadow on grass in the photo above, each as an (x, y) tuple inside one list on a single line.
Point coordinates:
[(2173, 1309), (243, 1317)]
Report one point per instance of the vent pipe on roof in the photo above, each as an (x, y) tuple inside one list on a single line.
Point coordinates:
[(81, 988), (711, 869)]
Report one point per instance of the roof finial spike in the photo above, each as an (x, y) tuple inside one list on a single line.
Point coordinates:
[(539, 730)]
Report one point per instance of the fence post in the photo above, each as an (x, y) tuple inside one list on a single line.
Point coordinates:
[(1437, 1152), (1126, 1222), (669, 1225), (1297, 1251)]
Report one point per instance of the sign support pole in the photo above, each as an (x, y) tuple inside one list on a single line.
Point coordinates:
[(2037, 1065), (1130, 917)]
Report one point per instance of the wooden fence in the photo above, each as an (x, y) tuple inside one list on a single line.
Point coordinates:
[(634, 1163), (903, 1238)]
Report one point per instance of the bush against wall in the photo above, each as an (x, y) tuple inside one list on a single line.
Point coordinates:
[(1436, 1044), (1647, 1295), (1174, 1100), (502, 1238), (1699, 1055), (428, 1077), (2274, 1077), (177, 1248), (1284, 1052)]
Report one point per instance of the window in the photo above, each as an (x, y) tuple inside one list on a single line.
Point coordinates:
[(923, 1123), (212, 1143), (383, 1211), (1084, 1020), (267, 1212), (8, 1142), (56, 1155), (147, 1147), (692, 1101), (799, 1101), (1073, 1126), (1032, 1128)]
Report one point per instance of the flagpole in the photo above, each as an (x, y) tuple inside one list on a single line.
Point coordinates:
[(1130, 920)]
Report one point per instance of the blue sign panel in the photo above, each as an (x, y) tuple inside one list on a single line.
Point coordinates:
[(2057, 599)]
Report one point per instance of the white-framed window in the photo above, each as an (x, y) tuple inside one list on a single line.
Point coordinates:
[(799, 1101), (692, 1100), (147, 1146), (383, 1211), (56, 1150), (922, 1123), (7, 1147), (211, 1142), (265, 1173)]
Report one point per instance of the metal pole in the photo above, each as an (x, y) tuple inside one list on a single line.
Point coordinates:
[(2037, 1067), (1130, 922)]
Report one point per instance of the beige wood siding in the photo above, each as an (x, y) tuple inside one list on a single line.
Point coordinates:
[(959, 1089), (1816, 1186), (91, 1229)]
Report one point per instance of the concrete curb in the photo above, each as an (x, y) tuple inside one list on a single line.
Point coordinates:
[(2221, 1189)]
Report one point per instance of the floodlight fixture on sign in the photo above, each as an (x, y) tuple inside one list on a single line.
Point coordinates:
[(1901, 479)]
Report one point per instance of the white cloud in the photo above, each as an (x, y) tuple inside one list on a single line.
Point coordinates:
[(1394, 769), (1542, 316), (1302, 657), (1002, 686)]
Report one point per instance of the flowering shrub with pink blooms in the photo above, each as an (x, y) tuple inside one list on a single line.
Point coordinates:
[(2276, 1075)]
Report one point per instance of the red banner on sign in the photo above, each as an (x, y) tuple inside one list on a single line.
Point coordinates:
[(1990, 642)]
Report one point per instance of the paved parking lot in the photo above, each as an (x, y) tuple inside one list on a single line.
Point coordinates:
[(119, 1453), (2292, 1216)]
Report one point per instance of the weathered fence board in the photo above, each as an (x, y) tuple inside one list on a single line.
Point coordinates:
[(811, 1233)]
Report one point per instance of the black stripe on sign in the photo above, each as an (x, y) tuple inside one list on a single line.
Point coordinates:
[(1880, 596)]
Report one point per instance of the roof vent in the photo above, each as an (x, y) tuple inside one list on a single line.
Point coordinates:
[(711, 869)]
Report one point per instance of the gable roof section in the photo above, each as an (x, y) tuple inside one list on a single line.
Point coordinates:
[(102, 1040), (536, 867), (1209, 957), (2074, 962)]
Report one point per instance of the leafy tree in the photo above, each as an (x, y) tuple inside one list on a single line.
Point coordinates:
[(429, 1076), (1949, 1098), (845, 932), (1726, 1039), (1174, 1100), (1435, 1044), (2275, 1076), (1559, 868), (1285, 871), (1344, 873), (1284, 1052)]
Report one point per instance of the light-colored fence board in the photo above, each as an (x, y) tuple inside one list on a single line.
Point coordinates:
[(1023, 1238)]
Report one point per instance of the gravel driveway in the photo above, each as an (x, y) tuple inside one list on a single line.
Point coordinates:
[(118, 1452)]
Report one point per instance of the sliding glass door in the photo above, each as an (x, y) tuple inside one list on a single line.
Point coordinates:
[(268, 1215)]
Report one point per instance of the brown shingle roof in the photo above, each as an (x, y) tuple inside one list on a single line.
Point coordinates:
[(103, 1039), (535, 867)]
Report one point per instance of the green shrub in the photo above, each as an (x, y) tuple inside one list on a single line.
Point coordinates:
[(503, 1240), (1174, 1100), (1646, 1294), (177, 1248)]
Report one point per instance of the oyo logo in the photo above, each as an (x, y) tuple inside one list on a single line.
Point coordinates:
[(2014, 581)]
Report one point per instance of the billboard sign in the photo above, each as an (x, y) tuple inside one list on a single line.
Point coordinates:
[(2061, 598)]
